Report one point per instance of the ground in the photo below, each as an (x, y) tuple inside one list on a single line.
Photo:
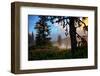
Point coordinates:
[(56, 53)]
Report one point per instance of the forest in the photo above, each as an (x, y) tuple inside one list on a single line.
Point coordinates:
[(57, 37)]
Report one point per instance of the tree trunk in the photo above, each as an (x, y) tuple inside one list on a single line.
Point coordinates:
[(73, 35)]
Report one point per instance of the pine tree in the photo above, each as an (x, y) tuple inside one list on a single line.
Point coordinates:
[(65, 21), (43, 32)]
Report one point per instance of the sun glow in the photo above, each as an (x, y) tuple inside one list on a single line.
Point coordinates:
[(85, 20)]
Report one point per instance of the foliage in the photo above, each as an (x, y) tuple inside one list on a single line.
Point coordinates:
[(42, 36), (73, 23)]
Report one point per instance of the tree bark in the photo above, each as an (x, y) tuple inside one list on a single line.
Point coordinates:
[(73, 34)]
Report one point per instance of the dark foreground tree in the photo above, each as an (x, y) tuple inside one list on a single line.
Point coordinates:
[(73, 34), (72, 23)]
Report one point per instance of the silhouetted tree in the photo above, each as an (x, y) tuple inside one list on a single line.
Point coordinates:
[(71, 22), (43, 32), (73, 34)]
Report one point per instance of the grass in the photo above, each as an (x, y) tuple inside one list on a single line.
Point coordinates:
[(55, 53)]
